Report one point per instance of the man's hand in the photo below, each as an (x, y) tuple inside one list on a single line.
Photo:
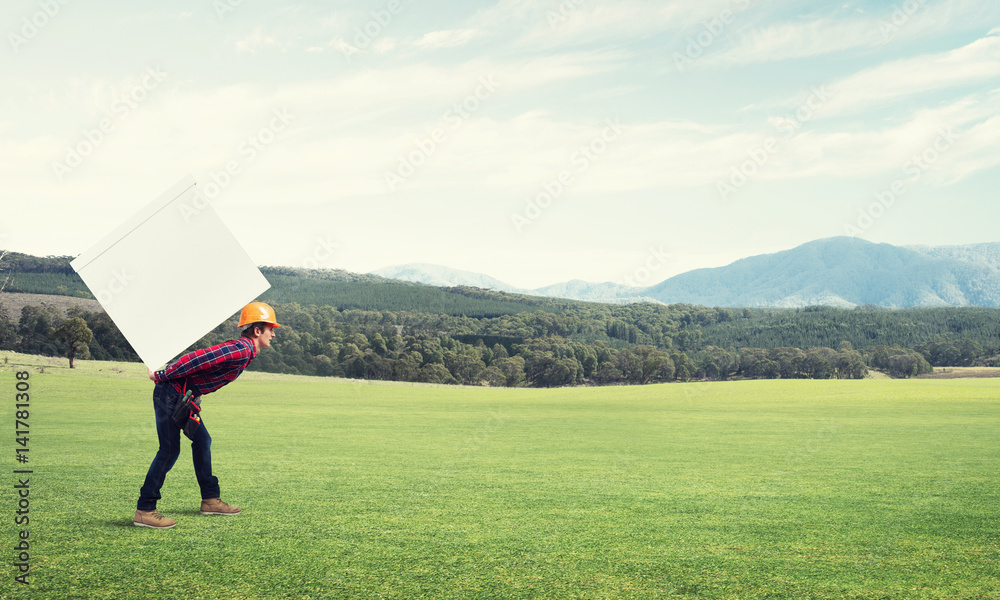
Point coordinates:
[(152, 377)]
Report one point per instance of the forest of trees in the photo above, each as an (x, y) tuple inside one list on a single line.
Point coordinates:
[(529, 349), (408, 332)]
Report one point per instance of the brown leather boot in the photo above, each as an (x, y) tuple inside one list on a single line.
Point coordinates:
[(153, 519), (215, 506)]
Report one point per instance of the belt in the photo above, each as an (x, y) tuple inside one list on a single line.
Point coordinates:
[(184, 385)]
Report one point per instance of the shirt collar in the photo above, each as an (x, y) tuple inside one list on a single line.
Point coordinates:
[(250, 344)]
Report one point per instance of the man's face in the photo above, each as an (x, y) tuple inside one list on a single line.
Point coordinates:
[(266, 336)]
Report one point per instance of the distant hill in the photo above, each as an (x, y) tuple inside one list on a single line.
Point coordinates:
[(841, 271), (609, 293), (986, 255), (441, 276), (26, 274), (12, 303), (844, 272), (345, 290), (851, 271), (576, 289)]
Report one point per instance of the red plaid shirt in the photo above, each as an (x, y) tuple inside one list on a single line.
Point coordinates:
[(209, 369)]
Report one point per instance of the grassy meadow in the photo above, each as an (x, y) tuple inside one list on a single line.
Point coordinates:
[(755, 489)]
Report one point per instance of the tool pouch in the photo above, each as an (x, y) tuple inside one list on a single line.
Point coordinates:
[(187, 415)]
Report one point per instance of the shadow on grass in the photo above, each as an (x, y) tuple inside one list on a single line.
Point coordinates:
[(120, 523)]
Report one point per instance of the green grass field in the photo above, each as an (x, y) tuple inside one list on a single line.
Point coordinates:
[(758, 489)]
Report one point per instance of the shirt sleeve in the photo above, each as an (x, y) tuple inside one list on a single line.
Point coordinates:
[(200, 360)]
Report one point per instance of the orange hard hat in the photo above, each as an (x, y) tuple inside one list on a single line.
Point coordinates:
[(257, 312)]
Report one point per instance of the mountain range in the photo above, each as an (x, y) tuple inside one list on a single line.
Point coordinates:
[(838, 271)]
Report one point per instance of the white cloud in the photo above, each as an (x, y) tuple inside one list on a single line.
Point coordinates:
[(817, 37), (850, 153), (971, 64), (560, 24), (797, 40), (256, 40), (446, 39), (343, 46), (349, 128), (353, 128), (383, 45), (334, 22), (975, 150), (556, 80)]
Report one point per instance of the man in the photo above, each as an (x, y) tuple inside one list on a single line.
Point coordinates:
[(202, 372)]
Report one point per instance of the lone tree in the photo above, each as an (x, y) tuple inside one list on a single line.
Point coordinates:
[(75, 334)]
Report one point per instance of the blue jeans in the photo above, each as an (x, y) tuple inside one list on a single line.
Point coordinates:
[(164, 400)]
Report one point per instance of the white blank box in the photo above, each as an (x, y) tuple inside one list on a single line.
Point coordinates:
[(170, 274)]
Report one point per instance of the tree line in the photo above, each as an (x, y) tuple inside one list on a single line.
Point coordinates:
[(385, 329), (464, 310), (537, 349)]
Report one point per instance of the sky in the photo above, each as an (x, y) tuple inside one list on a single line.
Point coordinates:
[(532, 141)]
